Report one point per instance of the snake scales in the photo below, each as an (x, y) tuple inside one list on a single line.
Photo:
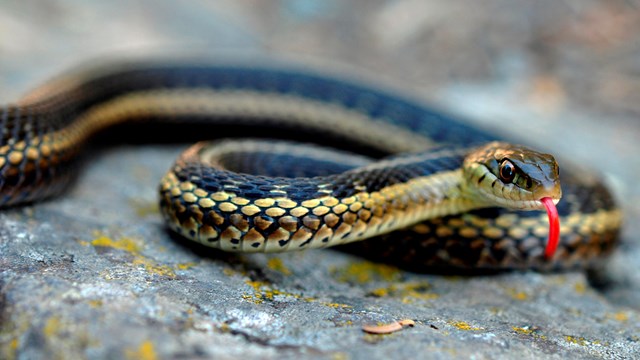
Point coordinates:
[(439, 183)]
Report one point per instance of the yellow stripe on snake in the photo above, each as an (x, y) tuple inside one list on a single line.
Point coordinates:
[(429, 189)]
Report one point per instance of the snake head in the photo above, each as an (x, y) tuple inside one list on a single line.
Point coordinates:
[(512, 176)]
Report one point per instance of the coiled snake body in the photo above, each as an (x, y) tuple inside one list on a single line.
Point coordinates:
[(446, 194)]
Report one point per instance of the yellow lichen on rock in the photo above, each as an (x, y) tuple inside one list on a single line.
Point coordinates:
[(408, 292), (276, 264), (365, 271), (126, 244), (146, 351), (461, 325), (134, 247)]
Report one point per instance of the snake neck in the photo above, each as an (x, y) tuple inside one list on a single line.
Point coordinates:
[(434, 196)]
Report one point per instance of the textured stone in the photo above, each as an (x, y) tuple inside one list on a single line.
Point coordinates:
[(95, 274)]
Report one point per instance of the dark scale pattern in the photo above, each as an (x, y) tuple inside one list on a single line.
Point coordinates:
[(30, 170), (376, 179), (378, 104), (26, 172), (588, 198), (228, 218), (61, 108), (281, 165), (429, 251), (251, 186), (464, 246), (423, 247), (302, 188)]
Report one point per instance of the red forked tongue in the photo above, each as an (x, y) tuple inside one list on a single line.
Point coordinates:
[(554, 227)]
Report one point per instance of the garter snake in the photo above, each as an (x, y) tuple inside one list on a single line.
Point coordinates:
[(441, 192)]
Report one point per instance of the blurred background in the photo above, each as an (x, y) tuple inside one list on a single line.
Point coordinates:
[(562, 74)]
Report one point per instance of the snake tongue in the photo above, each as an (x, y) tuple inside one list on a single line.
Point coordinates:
[(554, 227)]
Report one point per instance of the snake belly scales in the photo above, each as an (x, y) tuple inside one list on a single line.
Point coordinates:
[(408, 192)]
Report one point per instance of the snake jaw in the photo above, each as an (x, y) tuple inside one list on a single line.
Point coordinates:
[(492, 199)]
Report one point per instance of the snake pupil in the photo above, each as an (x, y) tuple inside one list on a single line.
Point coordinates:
[(507, 171)]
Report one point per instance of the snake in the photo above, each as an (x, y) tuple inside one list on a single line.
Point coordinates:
[(292, 159)]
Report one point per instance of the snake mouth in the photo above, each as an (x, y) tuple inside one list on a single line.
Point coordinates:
[(525, 204)]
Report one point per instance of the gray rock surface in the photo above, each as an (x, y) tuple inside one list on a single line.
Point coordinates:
[(95, 274)]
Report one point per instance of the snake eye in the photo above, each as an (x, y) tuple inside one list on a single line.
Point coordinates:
[(507, 171)]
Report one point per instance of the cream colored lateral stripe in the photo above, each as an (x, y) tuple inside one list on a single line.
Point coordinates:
[(277, 108)]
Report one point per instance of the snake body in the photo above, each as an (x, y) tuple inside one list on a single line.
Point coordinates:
[(244, 195)]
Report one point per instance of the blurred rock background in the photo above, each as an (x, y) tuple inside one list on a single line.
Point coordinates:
[(563, 74)]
